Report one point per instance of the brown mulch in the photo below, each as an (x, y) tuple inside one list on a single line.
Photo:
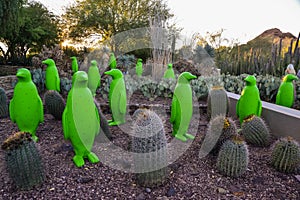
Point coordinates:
[(189, 176)]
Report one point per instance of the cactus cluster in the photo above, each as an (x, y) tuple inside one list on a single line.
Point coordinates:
[(23, 161), (149, 145), (54, 104), (38, 77), (286, 155), (3, 104), (255, 131), (65, 84), (233, 157), (217, 102), (220, 129)]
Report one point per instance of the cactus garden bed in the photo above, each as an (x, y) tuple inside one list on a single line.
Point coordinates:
[(189, 176)]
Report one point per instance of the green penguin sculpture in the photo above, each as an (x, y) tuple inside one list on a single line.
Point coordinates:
[(182, 107), (286, 92), (94, 77), (112, 61), (249, 102), (74, 64), (52, 77), (169, 73), (80, 120), (117, 97), (139, 67), (26, 107)]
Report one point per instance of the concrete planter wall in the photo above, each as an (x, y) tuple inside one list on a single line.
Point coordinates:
[(282, 121)]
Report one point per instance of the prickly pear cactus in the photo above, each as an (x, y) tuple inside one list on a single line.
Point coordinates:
[(286, 155), (3, 104), (23, 161), (54, 103), (233, 157), (255, 131), (220, 129), (217, 102), (150, 147)]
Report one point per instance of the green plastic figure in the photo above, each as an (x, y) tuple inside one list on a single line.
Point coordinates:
[(94, 77), (52, 77), (74, 64), (182, 107), (169, 73), (80, 120), (286, 92), (117, 97), (26, 107), (112, 61), (249, 102), (139, 67)]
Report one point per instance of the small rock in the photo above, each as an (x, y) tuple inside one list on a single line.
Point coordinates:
[(297, 177), (148, 190), (84, 179), (171, 192), (141, 197), (222, 190), (162, 198)]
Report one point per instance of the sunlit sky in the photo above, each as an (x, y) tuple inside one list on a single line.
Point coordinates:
[(241, 19)]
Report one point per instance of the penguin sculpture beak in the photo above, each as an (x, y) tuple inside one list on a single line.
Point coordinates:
[(110, 72), (20, 74), (190, 77)]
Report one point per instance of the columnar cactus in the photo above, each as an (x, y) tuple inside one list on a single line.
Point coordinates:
[(23, 161), (255, 131), (220, 129), (150, 149), (217, 102), (54, 103), (3, 104), (233, 157), (286, 155)]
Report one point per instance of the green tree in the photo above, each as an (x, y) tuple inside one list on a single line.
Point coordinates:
[(109, 17), (36, 26)]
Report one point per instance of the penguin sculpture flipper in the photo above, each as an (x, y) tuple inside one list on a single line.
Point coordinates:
[(259, 108), (98, 118), (41, 110), (65, 124), (11, 111), (173, 109), (57, 81), (123, 103), (278, 98)]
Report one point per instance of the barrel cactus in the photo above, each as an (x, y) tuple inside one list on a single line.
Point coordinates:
[(286, 155), (233, 157), (23, 161), (3, 104), (149, 145), (217, 102), (255, 131), (54, 103), (220, 129)]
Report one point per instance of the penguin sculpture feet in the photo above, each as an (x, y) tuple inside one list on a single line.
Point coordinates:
[(181, 137), (93, 158), (34, 138), (78, 160), (189, 136), (114, 123)]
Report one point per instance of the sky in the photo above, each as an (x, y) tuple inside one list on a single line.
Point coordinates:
[(241, 19)]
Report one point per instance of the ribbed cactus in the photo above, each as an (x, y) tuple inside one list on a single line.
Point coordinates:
[(23, 161), (255, 131), (149, 145), (220, 129), (3, 104), (233, 157), (217, 102), (54, 103), (286, 155)]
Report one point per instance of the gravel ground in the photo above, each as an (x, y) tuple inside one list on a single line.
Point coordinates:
[(189, 176)]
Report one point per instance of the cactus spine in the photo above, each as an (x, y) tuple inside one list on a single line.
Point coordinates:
[(54, 103), (217, 102), (3, 104), (233, 157), (150, 147), (286, 155), (23, 161), (255, 131), (220, 129)]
